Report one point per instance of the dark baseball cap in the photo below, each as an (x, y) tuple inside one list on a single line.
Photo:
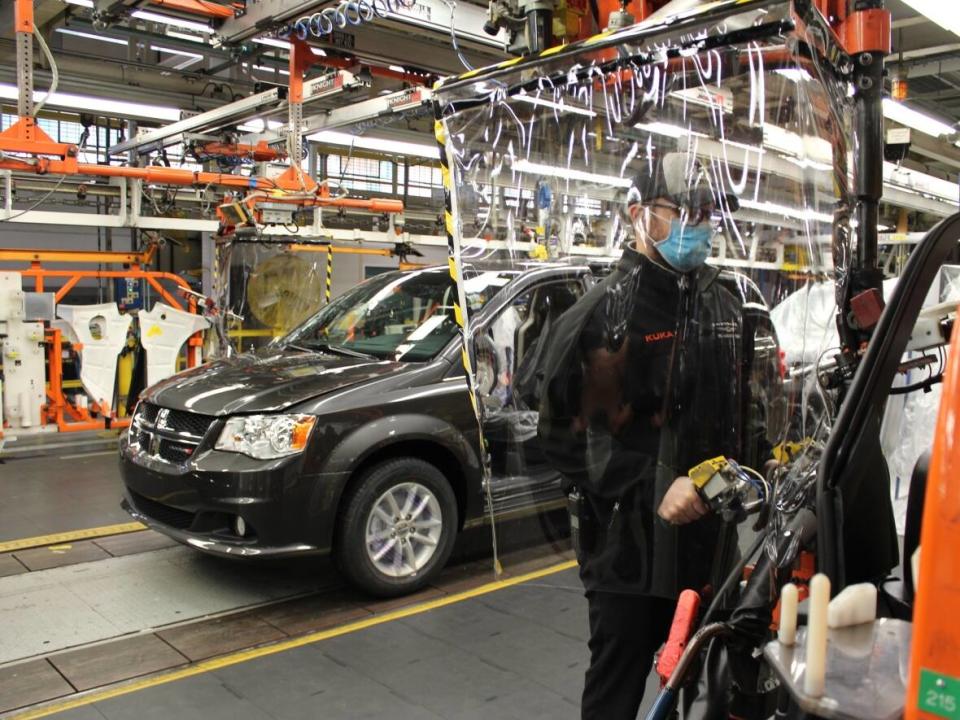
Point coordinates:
[(679, 178)]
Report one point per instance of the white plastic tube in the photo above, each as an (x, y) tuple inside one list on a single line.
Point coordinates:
[(814, 680), (789, 598)]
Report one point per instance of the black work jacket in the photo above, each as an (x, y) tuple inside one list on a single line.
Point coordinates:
[(641, 380)]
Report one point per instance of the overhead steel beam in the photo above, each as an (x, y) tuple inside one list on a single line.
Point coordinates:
[(265, 16), (922, 53), (941, 151), (209, 121), (909, 22), (381, 110), (938, 66), (270, 103)]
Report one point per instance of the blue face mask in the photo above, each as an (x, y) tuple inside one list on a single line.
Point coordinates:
[(686, 247)]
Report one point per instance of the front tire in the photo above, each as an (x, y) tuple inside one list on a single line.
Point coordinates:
[(398, 527)]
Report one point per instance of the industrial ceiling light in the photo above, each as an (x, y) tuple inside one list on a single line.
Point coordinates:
[(81, 3), (175, 21), (770, 208), (101, 106), (272, 42), (257, 126), (946, 15), (526, 166), (898, 112), (171, 51), (668, 130), (93, 36), (394, 147), (560, 106), (184, 36)]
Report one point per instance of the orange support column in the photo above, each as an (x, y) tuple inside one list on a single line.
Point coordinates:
[(933, 691)]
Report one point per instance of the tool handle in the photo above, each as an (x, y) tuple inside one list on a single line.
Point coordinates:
[(684, 620)]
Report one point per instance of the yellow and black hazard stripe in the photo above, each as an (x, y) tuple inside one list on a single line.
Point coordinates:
[(453, 262), (329, 272), (460, 310)]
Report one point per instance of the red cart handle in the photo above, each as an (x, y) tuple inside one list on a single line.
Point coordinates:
[(684, 620)]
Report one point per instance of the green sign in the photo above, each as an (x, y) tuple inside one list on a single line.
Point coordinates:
[(939, 695)]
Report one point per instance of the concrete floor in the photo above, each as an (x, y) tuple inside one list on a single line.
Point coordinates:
[(517, 652), (69, 489)]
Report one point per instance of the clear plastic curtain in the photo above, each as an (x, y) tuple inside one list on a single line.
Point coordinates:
[(599, 177)]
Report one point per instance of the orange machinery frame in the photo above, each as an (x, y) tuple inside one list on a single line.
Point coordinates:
[(49, 157), (859, 31), (933, 689), (67, 416)]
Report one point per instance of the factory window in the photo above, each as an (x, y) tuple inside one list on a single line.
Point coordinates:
[(70, 131), (49, 127), (361, 173), (421, 180)]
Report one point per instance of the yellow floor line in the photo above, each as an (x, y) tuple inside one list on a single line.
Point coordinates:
[(70, 536), (246, 655)]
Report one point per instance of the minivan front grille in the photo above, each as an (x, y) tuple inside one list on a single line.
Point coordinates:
[(168, 434)]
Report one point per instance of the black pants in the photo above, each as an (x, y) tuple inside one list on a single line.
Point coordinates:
[(625, 633)]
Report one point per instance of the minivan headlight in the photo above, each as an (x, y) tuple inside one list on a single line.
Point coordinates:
[(266, 436)]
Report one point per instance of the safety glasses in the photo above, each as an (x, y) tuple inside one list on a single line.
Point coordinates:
[(691, 215)]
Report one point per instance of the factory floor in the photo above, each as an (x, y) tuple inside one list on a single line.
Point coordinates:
[(104, 619)]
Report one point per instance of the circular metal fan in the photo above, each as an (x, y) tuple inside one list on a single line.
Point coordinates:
[(284, 290)]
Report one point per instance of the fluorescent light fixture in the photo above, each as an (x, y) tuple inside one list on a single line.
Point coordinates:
[(318, 51), (743, 146), (946, 15), (171, 51), (794, 74), (525, 166), (668, 130), (790, 143), (272, 42), (397, 68), (394, 147), (81, 3), (101, 106), (785, 211), (169, 20), (93, 36), (184, 36), (559, 106), (257, 125), (898, 112)]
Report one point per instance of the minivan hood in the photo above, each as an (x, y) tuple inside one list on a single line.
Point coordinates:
[(267, 382)]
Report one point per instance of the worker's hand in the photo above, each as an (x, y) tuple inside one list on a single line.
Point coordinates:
[(682, 504)]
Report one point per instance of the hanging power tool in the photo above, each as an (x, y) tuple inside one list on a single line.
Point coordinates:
[(731, 490), (529, 23)]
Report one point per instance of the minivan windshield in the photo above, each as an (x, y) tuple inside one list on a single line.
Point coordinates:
[(396, 315)]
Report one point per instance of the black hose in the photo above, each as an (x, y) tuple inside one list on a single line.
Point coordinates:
[(734, 576)]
